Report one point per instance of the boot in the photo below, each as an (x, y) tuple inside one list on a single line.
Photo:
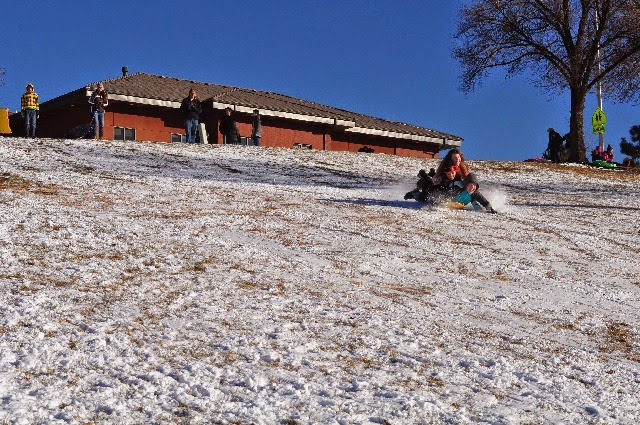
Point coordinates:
[(411, 195)]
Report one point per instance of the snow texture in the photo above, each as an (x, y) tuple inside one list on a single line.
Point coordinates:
[(174, 283)]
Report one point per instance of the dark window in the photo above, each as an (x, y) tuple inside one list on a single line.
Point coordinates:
[(178, 138), (123, 133)]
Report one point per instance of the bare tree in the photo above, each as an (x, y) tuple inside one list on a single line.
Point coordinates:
[(561, 44)]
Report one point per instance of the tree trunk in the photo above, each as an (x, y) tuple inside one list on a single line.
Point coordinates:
[(577, 150)]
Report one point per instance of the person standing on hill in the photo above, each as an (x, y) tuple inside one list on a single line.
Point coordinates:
[(555, 145), (191, 109), (256, 128), (30, 108), (229, 128), (98, 100)]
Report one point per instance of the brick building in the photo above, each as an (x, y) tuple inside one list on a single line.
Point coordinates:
[(147, 107)]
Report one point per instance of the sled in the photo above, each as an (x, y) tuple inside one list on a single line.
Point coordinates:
[(80, 131), (4, 121), (453, 205), (602, 163)]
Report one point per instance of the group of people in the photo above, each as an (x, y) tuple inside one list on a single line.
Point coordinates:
[(192, 109), (599, 154), (30, 110), (450, 182), (99, 100)]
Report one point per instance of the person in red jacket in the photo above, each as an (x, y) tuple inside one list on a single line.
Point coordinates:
[(608, 155)]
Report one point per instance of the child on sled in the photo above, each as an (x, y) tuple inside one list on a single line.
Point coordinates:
[(468, 193), (430, 186), (447, 190)]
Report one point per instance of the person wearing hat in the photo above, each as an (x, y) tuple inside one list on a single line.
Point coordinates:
[(229, 128), (30, 108), (98, 101), (608, 155), (468, 193), (555, 145)]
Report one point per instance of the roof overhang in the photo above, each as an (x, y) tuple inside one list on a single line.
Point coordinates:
[(287, 115), (141, 100), (446, 143)]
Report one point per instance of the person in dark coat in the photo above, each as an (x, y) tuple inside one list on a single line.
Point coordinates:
[(98, 100), (555, 145), (191, 108), (256, 128), (454, 159), (229, 128), (433, 189)]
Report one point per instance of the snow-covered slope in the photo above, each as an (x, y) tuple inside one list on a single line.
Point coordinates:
[(173, 283)]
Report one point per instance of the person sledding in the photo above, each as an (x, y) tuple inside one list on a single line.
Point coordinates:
[(468, 193), (431, 187), (602, 158), (454, 193), (436, 179)]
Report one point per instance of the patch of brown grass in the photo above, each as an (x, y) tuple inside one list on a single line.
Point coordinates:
[(14, 183), (619, 336)]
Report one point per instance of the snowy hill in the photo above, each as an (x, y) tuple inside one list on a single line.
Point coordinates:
[(172, 283)]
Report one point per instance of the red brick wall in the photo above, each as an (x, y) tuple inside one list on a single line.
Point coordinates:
[(157, 123)]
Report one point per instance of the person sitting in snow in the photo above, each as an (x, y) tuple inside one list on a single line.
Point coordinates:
[(453, 158), (608, 155), (597, 154)]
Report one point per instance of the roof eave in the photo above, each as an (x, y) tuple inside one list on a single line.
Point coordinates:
[(445, 142)]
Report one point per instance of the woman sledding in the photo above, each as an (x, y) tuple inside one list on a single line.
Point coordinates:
[(451, 183), (441, 178)]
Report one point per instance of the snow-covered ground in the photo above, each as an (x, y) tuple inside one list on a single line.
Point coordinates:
[(173, 283)]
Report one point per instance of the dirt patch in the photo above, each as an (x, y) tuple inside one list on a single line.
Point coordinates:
[(14, 183), (619, 336)]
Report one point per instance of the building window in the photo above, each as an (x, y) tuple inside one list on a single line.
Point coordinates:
[(123, 133), (178, 138)]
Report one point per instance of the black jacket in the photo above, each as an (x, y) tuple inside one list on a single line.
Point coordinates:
[(229, 128), (191, 108)]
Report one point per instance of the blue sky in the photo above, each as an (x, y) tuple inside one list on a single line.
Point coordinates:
[(389, 59)]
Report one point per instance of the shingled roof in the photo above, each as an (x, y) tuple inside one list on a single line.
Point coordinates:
[(168, 91)]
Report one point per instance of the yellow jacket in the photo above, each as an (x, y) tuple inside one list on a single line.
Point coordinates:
[(29, 101)]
